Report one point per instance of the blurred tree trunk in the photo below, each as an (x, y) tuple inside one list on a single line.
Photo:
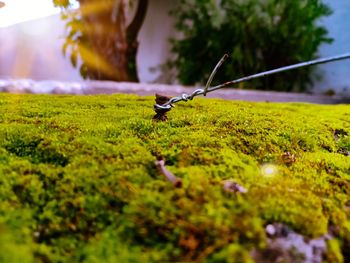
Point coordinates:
[(112, 44)]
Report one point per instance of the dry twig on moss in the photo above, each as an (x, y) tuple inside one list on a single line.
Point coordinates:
[(160, 163)]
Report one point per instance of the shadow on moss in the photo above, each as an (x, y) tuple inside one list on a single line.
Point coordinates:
[(35, 151)]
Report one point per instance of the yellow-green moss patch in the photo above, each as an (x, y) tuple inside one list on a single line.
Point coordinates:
[(78, 181)]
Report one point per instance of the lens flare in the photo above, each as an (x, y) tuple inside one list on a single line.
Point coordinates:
[(268, 170)]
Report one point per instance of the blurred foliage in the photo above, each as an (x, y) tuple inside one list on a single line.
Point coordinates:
[(259, 35), (98, 40), (76, 41), (78, 181), (63, 3)]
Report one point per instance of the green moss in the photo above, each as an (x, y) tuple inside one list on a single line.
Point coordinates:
[(78, 181)]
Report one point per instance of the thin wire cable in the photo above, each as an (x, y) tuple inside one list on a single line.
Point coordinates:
[(222, 60), (185, 97)]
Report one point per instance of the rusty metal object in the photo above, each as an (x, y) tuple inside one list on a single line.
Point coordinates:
[(161, 113)]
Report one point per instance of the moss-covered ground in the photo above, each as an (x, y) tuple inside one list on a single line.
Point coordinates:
[(78, 181)]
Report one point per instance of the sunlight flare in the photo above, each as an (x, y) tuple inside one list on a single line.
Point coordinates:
[(18, 11), (269, 170)]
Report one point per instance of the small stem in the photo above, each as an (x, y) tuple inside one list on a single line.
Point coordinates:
[(172, 178)]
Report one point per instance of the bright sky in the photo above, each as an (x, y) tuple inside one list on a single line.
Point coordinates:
[(17, 11)]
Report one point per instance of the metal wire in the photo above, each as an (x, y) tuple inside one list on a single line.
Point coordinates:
[(185, 97), (210, 79)]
